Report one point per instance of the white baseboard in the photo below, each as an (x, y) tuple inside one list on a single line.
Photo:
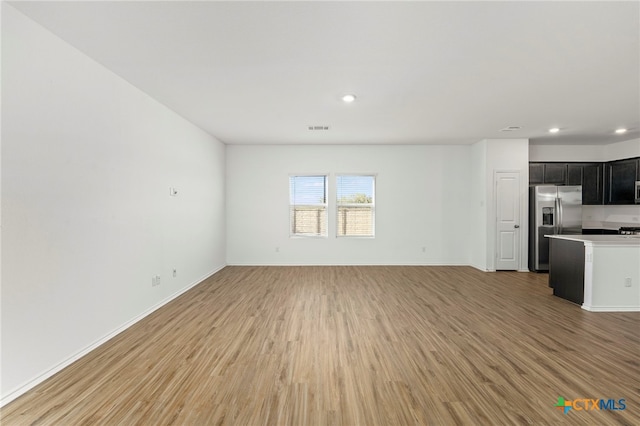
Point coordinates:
[(5, 399), (479, 268), (611, 308), (349, 264)]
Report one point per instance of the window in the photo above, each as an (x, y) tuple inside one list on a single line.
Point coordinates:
[(356, 205), (308, 206)]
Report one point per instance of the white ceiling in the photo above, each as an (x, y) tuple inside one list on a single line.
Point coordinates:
[(423, 72)]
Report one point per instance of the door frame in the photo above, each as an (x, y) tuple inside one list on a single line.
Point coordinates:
[(493, 220)]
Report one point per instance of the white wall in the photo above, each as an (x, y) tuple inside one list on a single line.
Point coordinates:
[(487, 157), (478, 209), (610, 217), (422, 200), (507, 155), (586, 153), (620, 150), (87, 160)]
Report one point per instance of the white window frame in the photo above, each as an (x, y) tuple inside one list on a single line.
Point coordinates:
[(293, 234), (372, 205)]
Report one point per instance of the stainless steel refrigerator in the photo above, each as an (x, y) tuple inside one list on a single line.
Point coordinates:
[(552, 210)]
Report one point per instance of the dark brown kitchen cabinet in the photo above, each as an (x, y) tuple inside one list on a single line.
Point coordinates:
[(602, 183), (620, 177), (547, 173), (536, 173), (555, 173), (575, 173), (566, 269), (590, 176), (592, 184)]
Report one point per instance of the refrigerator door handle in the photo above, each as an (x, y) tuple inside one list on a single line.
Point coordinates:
[(556, 216), (560, 216)]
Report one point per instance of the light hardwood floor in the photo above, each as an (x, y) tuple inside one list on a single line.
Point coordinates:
[(352, 345)]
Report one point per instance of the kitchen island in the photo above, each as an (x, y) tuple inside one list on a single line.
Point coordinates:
[(600, 272)]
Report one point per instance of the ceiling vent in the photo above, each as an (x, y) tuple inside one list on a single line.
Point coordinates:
[(511, 129), (318, 127)]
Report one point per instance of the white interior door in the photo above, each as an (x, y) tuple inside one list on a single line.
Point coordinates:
[(508, 229)]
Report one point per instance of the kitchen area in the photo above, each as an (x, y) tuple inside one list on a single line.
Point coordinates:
[(584, 231)]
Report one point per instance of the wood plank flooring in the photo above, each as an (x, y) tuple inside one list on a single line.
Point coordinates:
[(352, 345)]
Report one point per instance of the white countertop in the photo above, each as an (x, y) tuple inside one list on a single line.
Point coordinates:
[(602, 240)]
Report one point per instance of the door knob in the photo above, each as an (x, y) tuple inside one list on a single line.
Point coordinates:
[(516, 226)]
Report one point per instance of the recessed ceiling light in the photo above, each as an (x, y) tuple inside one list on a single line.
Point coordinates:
[(349, 98), (621, 131), (554, 130)]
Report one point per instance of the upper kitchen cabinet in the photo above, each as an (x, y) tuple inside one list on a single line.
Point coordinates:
[(555, 173), (536, 173), (551, 173), (590, 176), (575, 173), (620, 177), (602, 183), (592, 184)]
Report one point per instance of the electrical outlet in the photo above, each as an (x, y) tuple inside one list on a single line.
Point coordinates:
[(627, 282), (155, 281)]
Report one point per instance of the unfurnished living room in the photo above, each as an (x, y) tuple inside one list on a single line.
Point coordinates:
[(308, 213)]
